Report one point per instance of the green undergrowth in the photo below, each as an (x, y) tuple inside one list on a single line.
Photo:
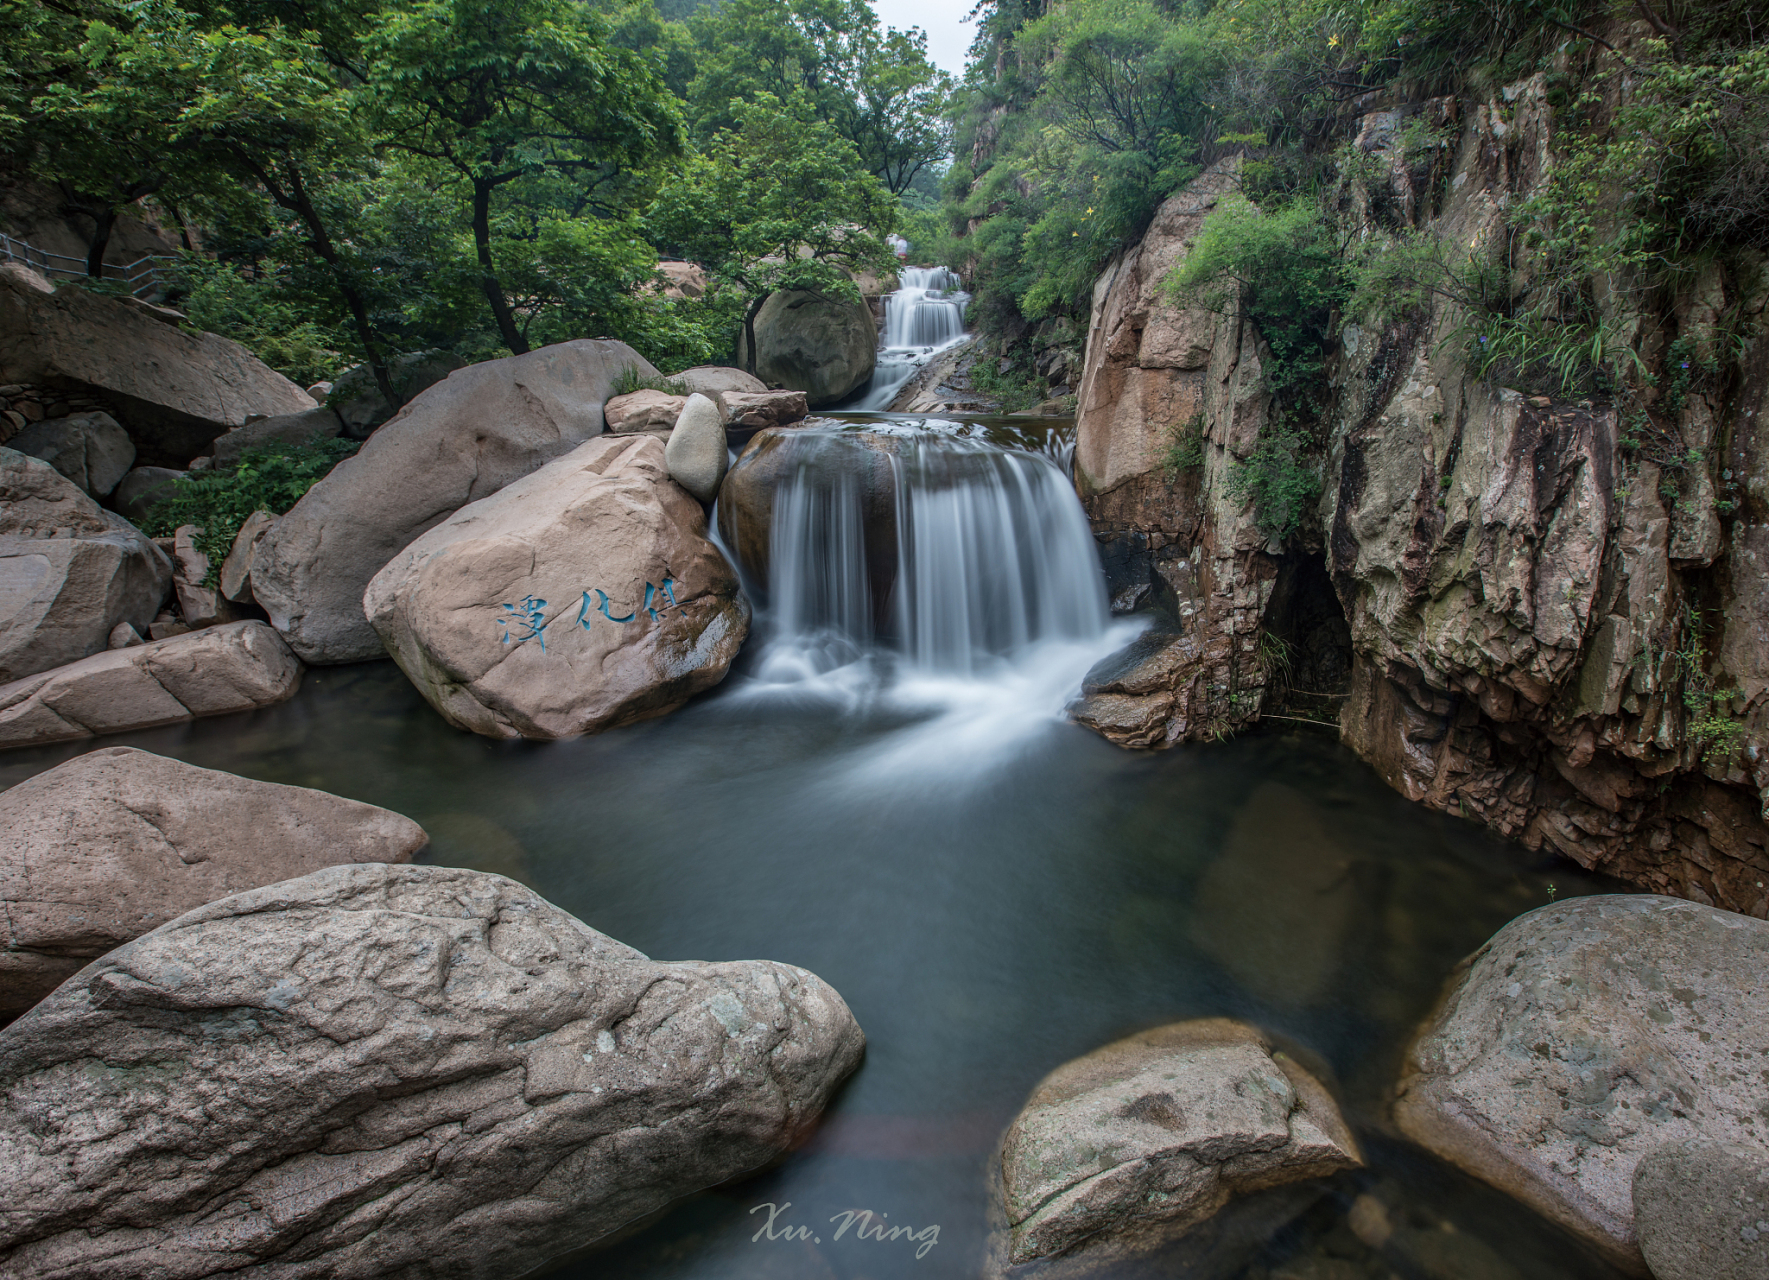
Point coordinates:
[(219, 501), (630, 379)]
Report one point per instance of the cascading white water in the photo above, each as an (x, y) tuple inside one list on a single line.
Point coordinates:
[(922, 318)]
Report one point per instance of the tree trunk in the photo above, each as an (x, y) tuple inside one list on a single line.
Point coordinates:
[(103, 220), (488, 281), (749, 334)]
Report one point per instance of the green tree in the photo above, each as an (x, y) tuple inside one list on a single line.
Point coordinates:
[(777, 202), (502, 92)]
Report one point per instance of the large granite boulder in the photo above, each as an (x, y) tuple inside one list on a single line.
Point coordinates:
[(462, 440), (118, 841), (579, 598), (1581, 1037), (379, 1071), (819, 344), (696, 453), (1134, 1146), (758, 409), (70, 571), (356, 398), (267, 433), (1701, 1210), (234, 667), (174, 390), (90, 449)]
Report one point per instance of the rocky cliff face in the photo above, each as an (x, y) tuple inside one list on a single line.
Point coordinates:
[(1529, 612)]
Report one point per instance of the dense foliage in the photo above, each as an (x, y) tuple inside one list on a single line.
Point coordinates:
[(359, 178), (218, 501)]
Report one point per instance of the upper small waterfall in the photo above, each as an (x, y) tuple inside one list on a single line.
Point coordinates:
[(924, 316)]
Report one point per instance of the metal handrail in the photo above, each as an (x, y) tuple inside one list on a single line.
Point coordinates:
[(142, 276)]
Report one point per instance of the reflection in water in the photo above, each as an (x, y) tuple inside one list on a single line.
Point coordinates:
[(992, 890)]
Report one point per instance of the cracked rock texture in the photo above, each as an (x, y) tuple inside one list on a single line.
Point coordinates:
[(390, 1071), (579, 598), (1136, 1144), (1545, 612), (70, 571), (233, 667), (118, 841), (461, 440), (1582, 1037)]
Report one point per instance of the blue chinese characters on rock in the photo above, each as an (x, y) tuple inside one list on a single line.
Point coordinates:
[(527, 620)]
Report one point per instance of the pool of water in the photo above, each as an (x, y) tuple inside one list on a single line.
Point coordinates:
[(989, 906)]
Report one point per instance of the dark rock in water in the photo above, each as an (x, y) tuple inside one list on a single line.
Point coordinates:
[(357, 400), (463, 439), (823, 346), (1701, 1210), (391, 1070), (117, 842), (1582, 1037), (1121, 1153)]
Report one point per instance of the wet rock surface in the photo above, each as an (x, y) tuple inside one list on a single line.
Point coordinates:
[(233, 667), (391, 1070), (579, 598), (462, 440), (117, 842), (70, 571), (1128, 1149), (1584, 1036)]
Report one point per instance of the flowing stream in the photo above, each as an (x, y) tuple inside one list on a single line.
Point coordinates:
[(922, 318), (885, 792)]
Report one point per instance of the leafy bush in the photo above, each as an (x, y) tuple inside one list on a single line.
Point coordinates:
[(1184, 454), (1277, 478), (219, 501), (255, 313), (629, 380)]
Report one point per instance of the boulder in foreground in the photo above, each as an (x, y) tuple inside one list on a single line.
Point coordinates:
[(174, 390), (116, 842), (70, 571), (645, 410), (1581, 1037), (391, 1070), (582, 597), (462, 440), (696, 453), (233, 667), (1134, 1146)]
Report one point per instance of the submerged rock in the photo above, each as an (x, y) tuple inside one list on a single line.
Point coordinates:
[(824, 346), (1583, 1036), (1130, 1148), (233, 667), (70, 571), (579, 598), (391, 1070), (1701, 1210), (117, 842), (462, 440), (696, 452)]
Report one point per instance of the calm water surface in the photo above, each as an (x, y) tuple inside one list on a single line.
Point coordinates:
[(989, 908)]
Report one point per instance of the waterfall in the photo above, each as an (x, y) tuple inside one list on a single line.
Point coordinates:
[(948, 555), (923, 317)]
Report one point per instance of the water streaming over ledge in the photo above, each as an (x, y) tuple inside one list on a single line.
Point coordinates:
[(938, 574), (922, 318)]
